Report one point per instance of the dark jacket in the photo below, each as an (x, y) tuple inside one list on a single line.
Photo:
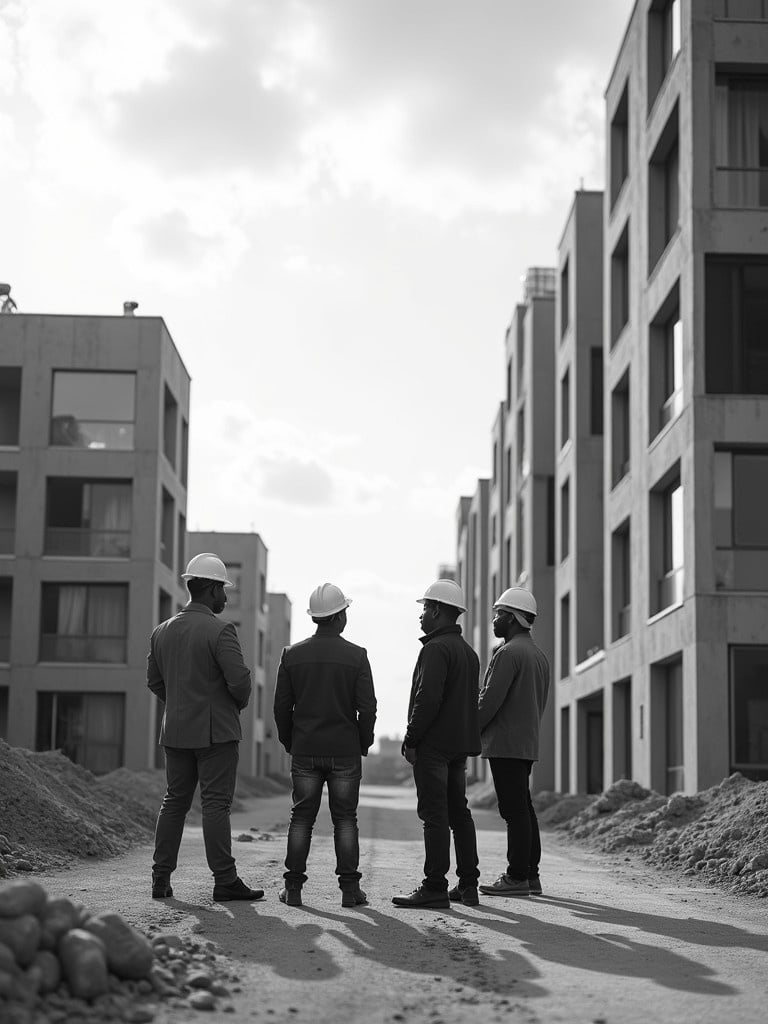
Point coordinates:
[(513, 698), (195, 666), (442, 711), (325, 704)]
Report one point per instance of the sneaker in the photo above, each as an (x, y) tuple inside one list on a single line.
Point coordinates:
[(291, 897), (506, 886), (468, 895), (534, 885), (353, 897), (161, 887), (237, 890), (423, 897)]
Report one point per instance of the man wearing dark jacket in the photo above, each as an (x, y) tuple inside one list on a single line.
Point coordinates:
[(442, 731), (196, 668), (325, 710)]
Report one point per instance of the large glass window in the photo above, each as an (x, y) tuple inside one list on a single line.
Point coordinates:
[(621, 589), (565, 298), (620, 286), (84, 622), (620, 430), (565, 408), (666, 547), (736, 325), (87, 727), (10, 405), (88, 518), (565, 520), (740, 523), (620, 145), (741, 141), (6, 606), (93, 410), (170, 423), (664, 41), (749, 711), (665, 365), (663, 191), (7, 512), (596, 390)]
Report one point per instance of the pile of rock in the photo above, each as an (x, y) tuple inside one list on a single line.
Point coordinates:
[(61, 964)]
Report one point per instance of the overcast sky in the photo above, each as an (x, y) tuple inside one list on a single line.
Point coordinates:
[(331, 204)]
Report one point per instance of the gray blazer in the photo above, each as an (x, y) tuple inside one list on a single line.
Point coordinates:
[(512, 699), (195, 666)]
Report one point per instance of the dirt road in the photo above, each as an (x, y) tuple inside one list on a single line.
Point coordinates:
[(610, 941)]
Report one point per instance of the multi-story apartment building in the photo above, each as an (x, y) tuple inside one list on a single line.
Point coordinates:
[(578, 394), (276, 761), (245, 557), (94, 414)]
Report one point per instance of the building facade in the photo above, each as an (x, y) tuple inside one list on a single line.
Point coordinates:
[(94, 426), (276, 760), (245, 556)]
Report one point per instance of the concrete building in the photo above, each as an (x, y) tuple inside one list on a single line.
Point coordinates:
[(276, 761), (578, 599), (94, 414), (245, 556)]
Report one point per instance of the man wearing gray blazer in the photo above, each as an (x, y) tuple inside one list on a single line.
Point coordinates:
[(196, 668)]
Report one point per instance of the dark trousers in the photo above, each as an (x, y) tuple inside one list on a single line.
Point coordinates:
[(441, 792), (215, 768), (342, 776), (511, 780)]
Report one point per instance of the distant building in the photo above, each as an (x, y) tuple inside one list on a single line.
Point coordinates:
[(94, 415), (245, 556), (276, 760)]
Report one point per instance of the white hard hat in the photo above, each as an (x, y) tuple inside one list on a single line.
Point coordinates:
[(207, 566), (518, 599), (325, 600), (446, 592)]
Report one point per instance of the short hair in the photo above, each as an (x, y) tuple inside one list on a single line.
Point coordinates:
[(322, 619), (449, 610), (197, 585)]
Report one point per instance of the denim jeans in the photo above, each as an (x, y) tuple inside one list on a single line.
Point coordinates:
[(441, 792), (342, 776), (215, 768), (511, 778)]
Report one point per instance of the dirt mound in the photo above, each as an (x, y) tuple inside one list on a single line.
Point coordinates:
[(52, 811), (719, 834)]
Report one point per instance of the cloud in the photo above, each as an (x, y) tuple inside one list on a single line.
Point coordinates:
[(431, 495)]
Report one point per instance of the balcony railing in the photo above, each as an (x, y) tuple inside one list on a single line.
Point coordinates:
[(85, 543), (59, 647), (71, 432), (741, 187), (7, 540), (671, 588)]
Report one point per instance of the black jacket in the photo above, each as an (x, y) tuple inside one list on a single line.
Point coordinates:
[(442, 711), (325, 704)]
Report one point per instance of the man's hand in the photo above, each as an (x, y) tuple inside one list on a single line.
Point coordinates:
[(409, 753)]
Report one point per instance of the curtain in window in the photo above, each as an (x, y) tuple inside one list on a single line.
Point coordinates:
[(70, 626), (110, 517), (107, 622), (741, 113), (103, 731)]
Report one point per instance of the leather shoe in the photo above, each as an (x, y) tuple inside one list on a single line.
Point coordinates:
[(291, 897), (161, 887), (236, 890), (353, 897), (468, 895), (423, 897)]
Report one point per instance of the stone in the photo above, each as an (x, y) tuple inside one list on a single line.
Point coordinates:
[(22, 936), (84, 961), (21, 896), (138, 1015), (199, 979), (202, 1001), (50, 968), (59, 915), (129, 953), (7, 959)]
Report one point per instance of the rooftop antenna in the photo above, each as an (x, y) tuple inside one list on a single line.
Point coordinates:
[(129, 308), (7, 305)]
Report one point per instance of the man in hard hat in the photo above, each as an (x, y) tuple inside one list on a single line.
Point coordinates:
[(512, 701), (196, 668), (442, 732), (325, 710)]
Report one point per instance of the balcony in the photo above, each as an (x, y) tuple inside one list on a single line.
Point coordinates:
[(741, 188), (671, 589), (60, 647), (77, 542)]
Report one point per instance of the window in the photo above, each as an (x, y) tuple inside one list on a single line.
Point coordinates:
[(88, 518), (522, 448), (667, 689), (184, 450), (620, 426), (520, 538), (493, 529), (10, 405), (741, 141), (666, 542), (565, 636), (164, 605), (263, 591), (749, 711), (235, 592), (565, 299), (740, 524), (509, 383), (550, 520), (621, 589), (736, 325), (565, 749), (508, 478), (84, 622), (87, 727), (259, 701), (166, 530), (170, 420), (664, 41), (508, 562), (181, 542), (494, 467), (622, 729), (665, 365), (620, 286), (7, 512), (619, 143), (565, 408), (93, 410), (261, 648), (565, 520), (596, 390), (520, 361), (663, 191), (6, 606)]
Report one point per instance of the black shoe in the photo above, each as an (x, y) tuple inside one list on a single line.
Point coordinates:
[(353, 897), (534, 885), (468, 895), (291, 897), (236, 890), (422, 897), (161, 887)]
